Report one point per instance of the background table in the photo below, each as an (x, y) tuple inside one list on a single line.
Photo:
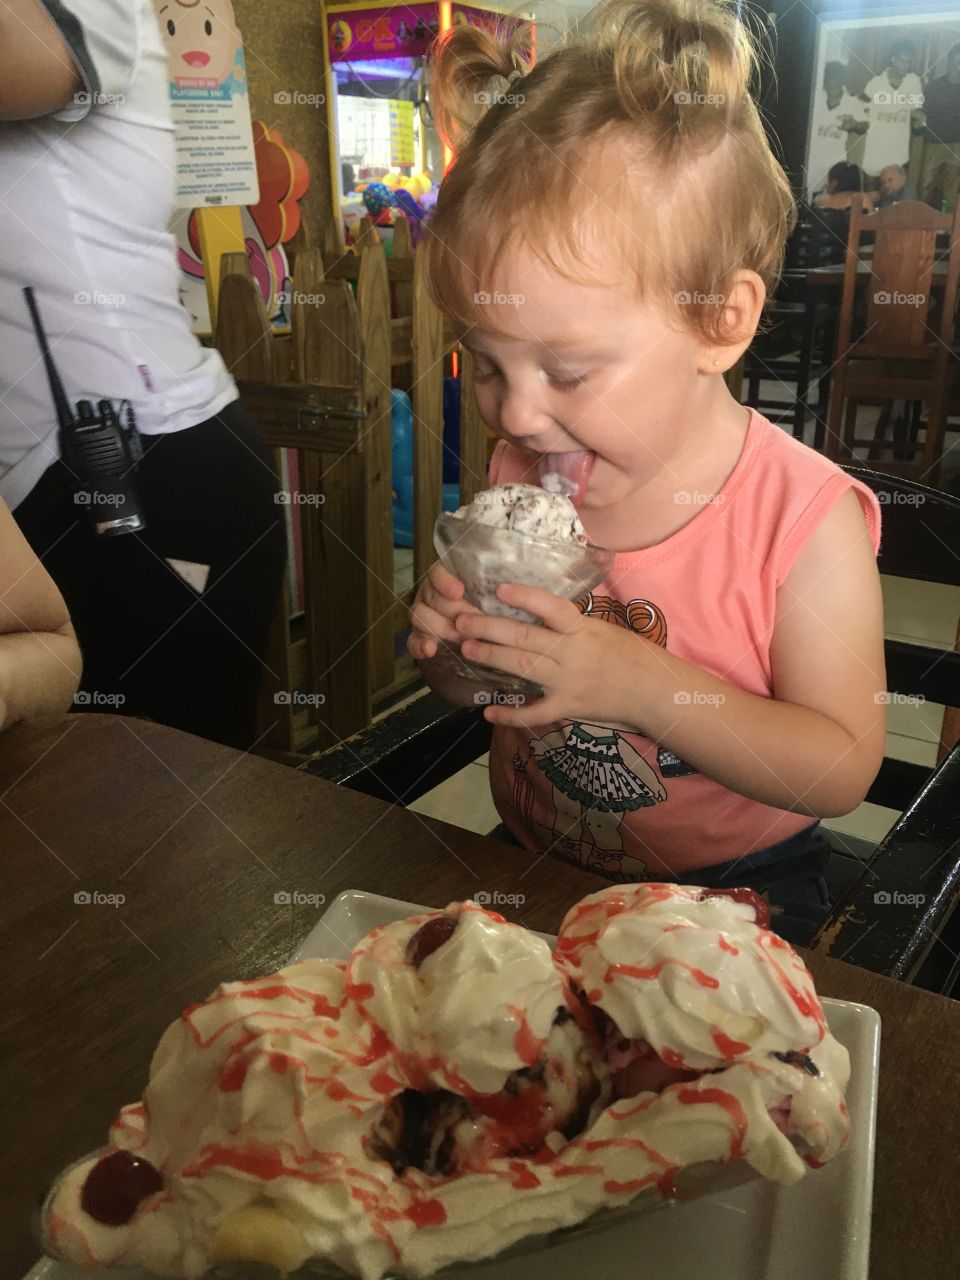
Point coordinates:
[(198, 839)]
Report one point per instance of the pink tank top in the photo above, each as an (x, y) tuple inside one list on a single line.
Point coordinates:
[(618, 803)]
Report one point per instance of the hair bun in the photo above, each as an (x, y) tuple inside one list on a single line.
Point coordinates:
[(677, 54), (471, 68)]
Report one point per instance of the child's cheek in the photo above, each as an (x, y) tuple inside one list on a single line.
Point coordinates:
[(488, 407)]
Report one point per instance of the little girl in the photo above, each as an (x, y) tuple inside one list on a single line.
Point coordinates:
[(605, 241)]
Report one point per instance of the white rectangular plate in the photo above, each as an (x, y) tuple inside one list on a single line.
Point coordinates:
[(819, 1228)]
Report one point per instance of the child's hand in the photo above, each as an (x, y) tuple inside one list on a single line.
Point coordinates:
[(433, 617), (588, 669)]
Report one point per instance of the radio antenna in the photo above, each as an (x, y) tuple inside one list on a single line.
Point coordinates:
[(60, 402)]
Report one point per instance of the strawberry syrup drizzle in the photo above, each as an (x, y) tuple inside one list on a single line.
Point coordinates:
[(806, 1002), (728, 1048), (634, 1144), (518, 1119), (253, 991), (527, 1046), (133, 1125), (59, 1229), (662, 1181), (730, 1104), (653, 971), (267, 1164), (571, 943)]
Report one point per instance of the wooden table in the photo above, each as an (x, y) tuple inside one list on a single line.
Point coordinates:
[(198, 838), (823, 277)]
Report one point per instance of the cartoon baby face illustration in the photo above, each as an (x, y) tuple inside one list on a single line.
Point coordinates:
[(201, 37)]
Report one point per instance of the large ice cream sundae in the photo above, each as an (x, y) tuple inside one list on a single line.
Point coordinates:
[(454, 1087)]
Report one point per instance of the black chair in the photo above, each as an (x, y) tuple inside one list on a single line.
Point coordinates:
[(794, 347), (894, 902)]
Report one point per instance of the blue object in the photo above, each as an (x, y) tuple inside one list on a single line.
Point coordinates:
[(402, 424)]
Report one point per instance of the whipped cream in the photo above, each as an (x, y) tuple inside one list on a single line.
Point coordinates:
[(690, 973), (266, 1102), (694, 976), (477, 1009)]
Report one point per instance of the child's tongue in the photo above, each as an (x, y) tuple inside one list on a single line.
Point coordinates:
[(567, 473)]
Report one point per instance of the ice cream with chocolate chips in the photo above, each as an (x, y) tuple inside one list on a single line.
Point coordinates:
[(526, 509)]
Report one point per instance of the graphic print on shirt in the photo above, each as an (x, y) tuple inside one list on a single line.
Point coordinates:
[(596, 775)]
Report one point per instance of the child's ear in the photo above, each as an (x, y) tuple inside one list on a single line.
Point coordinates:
[(742, 307)]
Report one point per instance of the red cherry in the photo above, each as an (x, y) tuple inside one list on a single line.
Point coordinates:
[(116, 1186), (761, 908), (428, 938)]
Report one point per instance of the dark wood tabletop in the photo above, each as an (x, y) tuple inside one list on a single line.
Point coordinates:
[(198, 839), (834, 272)]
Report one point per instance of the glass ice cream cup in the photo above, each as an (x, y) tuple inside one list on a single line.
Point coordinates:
[(483, 558)]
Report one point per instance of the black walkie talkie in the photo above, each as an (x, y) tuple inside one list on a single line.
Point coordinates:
[(101, 451)]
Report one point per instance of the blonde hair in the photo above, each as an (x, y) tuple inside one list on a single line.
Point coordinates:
[(540, 158)]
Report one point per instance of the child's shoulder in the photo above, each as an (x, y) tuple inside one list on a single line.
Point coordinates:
[(799, 487)]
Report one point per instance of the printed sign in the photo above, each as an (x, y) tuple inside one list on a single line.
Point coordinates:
[(216, 164), (404, 32), (401, 132)]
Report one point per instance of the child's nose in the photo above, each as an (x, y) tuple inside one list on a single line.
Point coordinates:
[(521, 416)]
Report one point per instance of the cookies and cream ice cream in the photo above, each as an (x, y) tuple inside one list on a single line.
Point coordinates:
[(518, 533), (454, 1087), (511, 533), (527, 509)]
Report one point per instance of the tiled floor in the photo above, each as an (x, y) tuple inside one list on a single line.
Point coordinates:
[(918, 612), (402, 569)]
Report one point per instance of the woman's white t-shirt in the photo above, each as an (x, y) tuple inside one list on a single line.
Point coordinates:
[(85, 200)]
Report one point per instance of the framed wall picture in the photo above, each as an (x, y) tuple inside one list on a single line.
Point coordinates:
[(886, 97)]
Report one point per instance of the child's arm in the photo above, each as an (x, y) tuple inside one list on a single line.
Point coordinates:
[(814, 747), (39, 658)]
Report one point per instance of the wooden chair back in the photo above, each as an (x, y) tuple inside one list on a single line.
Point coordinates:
[(904, 253), (900, 297), (818, 239), (910, 316)]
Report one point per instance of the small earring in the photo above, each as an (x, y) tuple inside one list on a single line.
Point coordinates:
[(716, 362)]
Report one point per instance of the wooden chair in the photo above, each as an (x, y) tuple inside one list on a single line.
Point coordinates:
[(794, 348), (917, 864), (904, 350)]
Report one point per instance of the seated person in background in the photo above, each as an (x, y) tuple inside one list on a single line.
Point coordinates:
[(844, 187), (894, 187), (39, 656)]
